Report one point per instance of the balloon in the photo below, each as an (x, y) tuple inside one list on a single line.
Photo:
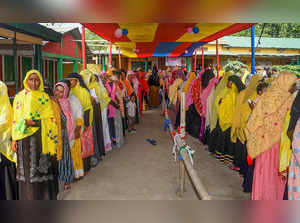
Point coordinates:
[(125, 32), (186, 51), (137, 50), (118, 33), (196, 30), (190, 30)]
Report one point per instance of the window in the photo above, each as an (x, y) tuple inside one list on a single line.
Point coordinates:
[(9, 69)]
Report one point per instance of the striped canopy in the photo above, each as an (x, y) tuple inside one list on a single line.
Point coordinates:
[(163, 39)]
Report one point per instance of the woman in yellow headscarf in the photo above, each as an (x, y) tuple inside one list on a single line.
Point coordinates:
[(225, 149), (92, 83), (174, 107), (239, 121), (8, 158), (263, 132), (81, 91), (35, 138)]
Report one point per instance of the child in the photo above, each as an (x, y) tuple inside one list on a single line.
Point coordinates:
[(131, 111)]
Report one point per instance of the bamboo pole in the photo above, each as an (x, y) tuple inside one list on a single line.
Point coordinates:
[(217, 50), (83, 48), (195, 180), (202, 58)]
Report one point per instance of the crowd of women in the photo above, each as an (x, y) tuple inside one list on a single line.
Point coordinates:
[(250, 124), (53, 136)]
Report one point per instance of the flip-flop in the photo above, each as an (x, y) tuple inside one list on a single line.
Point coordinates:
[(152, 142)]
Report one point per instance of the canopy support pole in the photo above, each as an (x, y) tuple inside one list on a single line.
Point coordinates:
[(195, 62), (110, 55), (15, 62), (146, 65), (252, 49), (120, 62), (217, 50), (187, 63), (202, 58), (83, 48)]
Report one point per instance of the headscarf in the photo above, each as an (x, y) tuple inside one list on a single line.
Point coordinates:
[(48, 87), (220, 92), (91, 82), (226, 108), (264, 128), (192, 76), (67, 110), (81, 91), (180, 74), (205, 93), (196, 92), (295, 113), (173, 91), (35, 105), (237, 81), (243, 110), (5, 124), (154, 78), (111, 90), (206, 77)]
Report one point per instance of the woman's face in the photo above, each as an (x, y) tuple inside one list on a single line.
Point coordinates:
[(59, 92), (73, 82), (34, 82), (229, 84)]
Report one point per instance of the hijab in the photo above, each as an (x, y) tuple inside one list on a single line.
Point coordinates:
[(192, 76), (295, 113), (263, 130), (35, 105), (173, 91), (206, 77), (67, 110)]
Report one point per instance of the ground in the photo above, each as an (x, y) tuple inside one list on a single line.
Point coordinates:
[(141, 171)]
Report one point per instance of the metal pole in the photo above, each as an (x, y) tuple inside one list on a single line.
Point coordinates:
[(195, 62), (253, 50), (202, 58), (120, 62), (110, 55), (15, 62), (217, 50), (188, 63), (103, 63), (83, 48)]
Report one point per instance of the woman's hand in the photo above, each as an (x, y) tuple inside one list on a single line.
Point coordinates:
[(14, 146), (29, 123)]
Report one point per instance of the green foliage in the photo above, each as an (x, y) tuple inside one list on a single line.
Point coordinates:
[(295, 69), (276, 30), (236, 67)]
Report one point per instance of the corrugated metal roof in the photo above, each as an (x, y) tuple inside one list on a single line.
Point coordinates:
[(265, 42)]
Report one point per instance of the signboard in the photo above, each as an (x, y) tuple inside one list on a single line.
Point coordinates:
[(173, 61)]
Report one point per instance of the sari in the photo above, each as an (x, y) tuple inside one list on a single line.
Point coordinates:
[(37, 144)]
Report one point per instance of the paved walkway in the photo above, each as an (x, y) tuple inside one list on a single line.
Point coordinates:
[(140, 171)]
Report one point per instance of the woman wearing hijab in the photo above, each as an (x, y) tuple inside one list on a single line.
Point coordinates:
[(65, 162), (154, 83), (143, 88), (35, 138), (174, 107), (8, 158), (263, 132), (92, 83), (77, 112), (240, 118), (105, 100), (193, 117), (81, 91), (225, 148)]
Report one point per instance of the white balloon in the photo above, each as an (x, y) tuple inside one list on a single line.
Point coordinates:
[(118, 33)]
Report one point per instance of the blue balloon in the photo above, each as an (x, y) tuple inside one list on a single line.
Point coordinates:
[(125, 32), (196, 30)]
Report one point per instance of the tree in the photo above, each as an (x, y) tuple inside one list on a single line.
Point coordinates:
[(276, 30)]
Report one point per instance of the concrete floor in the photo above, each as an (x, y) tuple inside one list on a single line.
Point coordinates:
[(140, 171)]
